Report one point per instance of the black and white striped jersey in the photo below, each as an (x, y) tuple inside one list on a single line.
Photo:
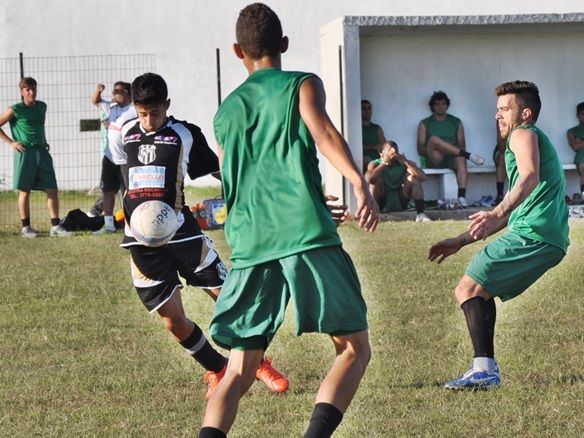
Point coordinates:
[(158, 162)]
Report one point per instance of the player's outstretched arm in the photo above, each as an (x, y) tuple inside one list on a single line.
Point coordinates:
[(334, 147), (445, 248), (524, 145)]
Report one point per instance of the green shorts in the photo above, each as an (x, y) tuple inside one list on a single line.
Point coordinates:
[(447, 162), (33, 170), (393, 200), (324, 287), (507, 266)]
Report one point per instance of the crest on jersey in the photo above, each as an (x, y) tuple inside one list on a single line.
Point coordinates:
[(146, 153)]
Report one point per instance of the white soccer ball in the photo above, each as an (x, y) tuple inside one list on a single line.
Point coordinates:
[(153, 223)]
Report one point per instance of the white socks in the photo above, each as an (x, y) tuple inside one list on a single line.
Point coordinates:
[(484, 363)]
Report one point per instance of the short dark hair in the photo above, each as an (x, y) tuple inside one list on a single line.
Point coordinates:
[(391, 144), (125, 85), (365, 101), (27, 82), (258, 31), (580, 107), (526, 92), (149, 89), (438, 95)]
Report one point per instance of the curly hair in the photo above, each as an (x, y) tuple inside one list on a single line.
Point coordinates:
[(526, 92), (258, 31), (438, 95)]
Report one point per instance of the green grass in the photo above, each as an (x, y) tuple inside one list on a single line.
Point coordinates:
[(70, 200), (80, 356)]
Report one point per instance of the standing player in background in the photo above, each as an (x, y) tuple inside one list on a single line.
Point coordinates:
[(161, 151), (373, 136), (576, 142), (536, 215), (33, 164), (284, 243), (113, 114)]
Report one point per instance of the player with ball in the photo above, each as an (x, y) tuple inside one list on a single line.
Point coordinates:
[(161, 234)]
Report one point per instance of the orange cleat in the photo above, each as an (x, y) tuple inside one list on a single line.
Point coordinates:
[(212, 379), (273, 379)]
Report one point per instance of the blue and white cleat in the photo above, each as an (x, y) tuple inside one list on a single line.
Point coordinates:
[(476, 379)]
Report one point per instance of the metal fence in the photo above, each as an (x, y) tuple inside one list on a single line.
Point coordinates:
[(65, 84)]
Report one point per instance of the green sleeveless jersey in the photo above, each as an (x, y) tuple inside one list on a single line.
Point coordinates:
[(371, 134), (446, 129), (272, 184), (393, 178), (578, 131), (28, 124), (543, 215), (393, 175)]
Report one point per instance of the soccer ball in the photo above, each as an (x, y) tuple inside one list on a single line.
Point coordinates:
[(153, 223)]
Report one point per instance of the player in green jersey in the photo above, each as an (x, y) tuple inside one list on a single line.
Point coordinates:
[(373, 136), (284, 242), (441, 143), (33, 165), (395, 180), (576, 142), (536, 217)]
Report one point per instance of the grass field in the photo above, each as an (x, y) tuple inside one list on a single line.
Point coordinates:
[(80, 356), (70, 200)]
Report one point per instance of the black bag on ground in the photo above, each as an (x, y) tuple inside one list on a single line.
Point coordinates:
[(77, 220)]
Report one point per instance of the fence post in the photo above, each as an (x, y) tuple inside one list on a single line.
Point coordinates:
[(218, 62), (21, 59)]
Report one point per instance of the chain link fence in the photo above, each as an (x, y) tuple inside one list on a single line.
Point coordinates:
[(65, 84)]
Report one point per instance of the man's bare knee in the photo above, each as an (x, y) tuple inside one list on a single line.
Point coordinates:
[(468, 288), (354, 347)]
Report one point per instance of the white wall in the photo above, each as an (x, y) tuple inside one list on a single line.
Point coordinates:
[(184, 34), (400, 73)]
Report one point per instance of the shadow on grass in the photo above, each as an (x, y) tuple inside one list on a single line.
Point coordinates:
[(571, 379), (417, 385)]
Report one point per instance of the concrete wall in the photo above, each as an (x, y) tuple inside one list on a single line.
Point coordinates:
[(400, 72), (402, 60)]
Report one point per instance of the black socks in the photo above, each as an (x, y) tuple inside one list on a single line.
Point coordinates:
[(464, 154), (200, 349), (211, 432), (325, 419), (480, 319), (419, 203), (500, 186)]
